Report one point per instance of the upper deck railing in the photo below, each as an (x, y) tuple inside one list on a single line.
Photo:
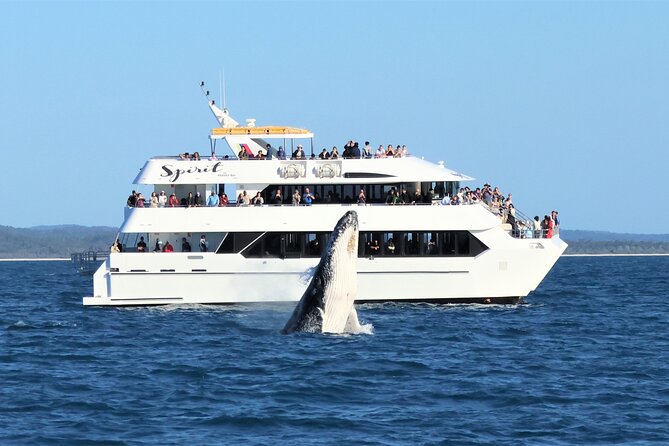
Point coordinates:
[(517, 225), (315, 157)]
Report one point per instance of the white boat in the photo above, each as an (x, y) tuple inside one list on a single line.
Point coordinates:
[(426, 252)]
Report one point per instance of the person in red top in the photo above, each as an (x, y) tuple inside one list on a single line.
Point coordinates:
[(168, 247), (174, 201), (223, 200), (548, 226)]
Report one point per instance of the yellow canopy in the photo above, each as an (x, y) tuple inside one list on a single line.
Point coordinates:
[(264, 130)]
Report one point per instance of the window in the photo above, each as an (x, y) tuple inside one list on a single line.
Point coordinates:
[(370, 244), (314, 244), (430, 243), (293, 244), (412, 244), (235, 242)]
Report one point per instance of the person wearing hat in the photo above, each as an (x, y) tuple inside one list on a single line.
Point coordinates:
[(281, 154), (298, 154)]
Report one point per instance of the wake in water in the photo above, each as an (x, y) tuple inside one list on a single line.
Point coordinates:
[(364, 329), (312, 324)]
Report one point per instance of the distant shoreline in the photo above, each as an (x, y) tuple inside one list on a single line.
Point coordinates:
[(616, 255), (57, 259)]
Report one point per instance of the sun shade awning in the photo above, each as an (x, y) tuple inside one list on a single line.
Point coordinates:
[(265, 132)]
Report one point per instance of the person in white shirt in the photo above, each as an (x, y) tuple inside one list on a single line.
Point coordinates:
[(162, 199)]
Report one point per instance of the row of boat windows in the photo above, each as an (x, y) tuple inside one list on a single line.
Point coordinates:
[(383, 244)]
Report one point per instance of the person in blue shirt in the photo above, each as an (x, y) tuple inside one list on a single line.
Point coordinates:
[(212, 201), (307, 198)]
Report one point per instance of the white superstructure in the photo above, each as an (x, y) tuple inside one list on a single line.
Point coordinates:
[(426, 252)]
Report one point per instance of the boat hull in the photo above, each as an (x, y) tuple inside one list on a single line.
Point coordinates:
[(504, 274)]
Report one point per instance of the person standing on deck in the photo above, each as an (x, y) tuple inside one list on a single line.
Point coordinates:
[(296, 198), (212, 201), (307, 198)]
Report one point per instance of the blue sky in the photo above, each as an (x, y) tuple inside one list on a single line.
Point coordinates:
[(566, 105)]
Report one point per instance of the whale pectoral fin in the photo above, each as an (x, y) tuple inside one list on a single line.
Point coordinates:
[(352, 323)]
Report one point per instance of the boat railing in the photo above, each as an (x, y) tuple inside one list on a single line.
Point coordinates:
[(516, 223), (234, 204), (87, 262), (276, 158)]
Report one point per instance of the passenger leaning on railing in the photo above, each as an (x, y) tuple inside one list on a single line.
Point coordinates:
[(243, 199), (132, 199), (367, 151), (556, 222), (153, 200), (140, 201), (213, 200), (190, 200), (223, 199), (278, 199), (117, 247), (296, 197), (298, 154), (162, 199)]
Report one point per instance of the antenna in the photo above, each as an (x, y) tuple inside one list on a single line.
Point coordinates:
[(221, 86), (224, 120)]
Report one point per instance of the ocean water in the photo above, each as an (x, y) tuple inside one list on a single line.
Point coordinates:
[(584, 361)]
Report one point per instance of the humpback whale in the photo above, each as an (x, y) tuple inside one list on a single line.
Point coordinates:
[(327, 304)]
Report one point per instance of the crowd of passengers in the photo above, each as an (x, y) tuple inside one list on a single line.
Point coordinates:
[(164, 247), (492, 197), (351, 150)]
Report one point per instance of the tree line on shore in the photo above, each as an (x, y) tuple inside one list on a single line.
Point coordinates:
[(53, 241)]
